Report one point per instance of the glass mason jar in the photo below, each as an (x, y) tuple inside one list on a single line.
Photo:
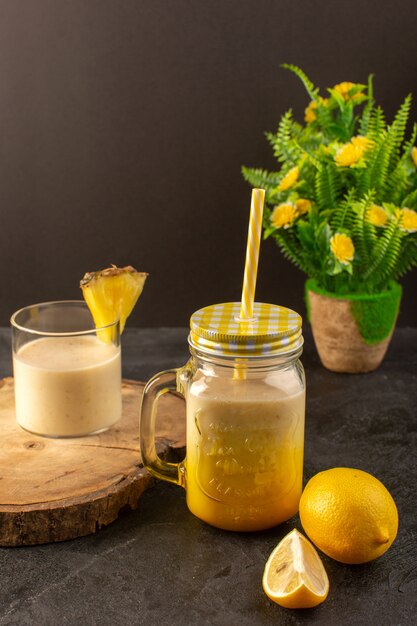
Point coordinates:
[(244, 388)]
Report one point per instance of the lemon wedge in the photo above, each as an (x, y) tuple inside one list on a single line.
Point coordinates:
[(294, 576)]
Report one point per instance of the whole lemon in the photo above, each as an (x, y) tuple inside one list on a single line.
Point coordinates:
[(349, 515)]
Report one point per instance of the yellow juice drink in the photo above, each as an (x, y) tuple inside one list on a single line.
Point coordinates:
[(245, 442)]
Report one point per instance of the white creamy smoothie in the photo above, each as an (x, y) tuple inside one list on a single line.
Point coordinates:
[(67, 386)]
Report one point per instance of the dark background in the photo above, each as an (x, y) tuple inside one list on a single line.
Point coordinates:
[(124, 123)]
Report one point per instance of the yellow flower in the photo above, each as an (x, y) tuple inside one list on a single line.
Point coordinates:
[(310, 111), (361, 142), (309, 114), (351, 152), (342, 248), (348, 155), (376, 215), (344, 89), (283, 215), (303, 205), (407, 219), (414, 155), (289, 179)]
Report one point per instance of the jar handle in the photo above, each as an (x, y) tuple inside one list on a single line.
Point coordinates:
[(158, 385)]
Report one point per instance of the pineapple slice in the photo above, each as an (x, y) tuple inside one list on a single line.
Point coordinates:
[(112, 293)]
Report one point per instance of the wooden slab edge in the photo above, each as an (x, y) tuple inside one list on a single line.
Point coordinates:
[(60, 520), (67, 520)]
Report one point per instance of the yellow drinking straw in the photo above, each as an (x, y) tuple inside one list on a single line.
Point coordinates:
[(252, 254), (251, 267)]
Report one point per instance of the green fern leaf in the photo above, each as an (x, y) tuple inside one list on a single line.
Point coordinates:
[(408, 145), (368, 109), (385, 154), (397, 184), (410, 200), (397, 129), (312, 91), (328, 187), (376, 124), (291, 249), (283, 145), (374, 176), (347, 122), (327, 123), (408, 257), (385, 256), (343, 216), (363, 232), (290, 252), (313, 159), (261, 178)]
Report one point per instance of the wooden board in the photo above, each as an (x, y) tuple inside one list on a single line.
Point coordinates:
[(57, 489)]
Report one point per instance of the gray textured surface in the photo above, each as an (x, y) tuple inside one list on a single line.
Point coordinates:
[(160, 565)]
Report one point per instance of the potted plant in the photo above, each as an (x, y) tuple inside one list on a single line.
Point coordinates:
[(342, 208)]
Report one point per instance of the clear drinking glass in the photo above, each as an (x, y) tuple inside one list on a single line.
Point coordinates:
[(67, 372)]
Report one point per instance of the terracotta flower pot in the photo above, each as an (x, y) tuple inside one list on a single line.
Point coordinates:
[(352, 332)]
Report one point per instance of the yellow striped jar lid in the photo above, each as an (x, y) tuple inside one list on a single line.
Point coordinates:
[(273, 330)]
